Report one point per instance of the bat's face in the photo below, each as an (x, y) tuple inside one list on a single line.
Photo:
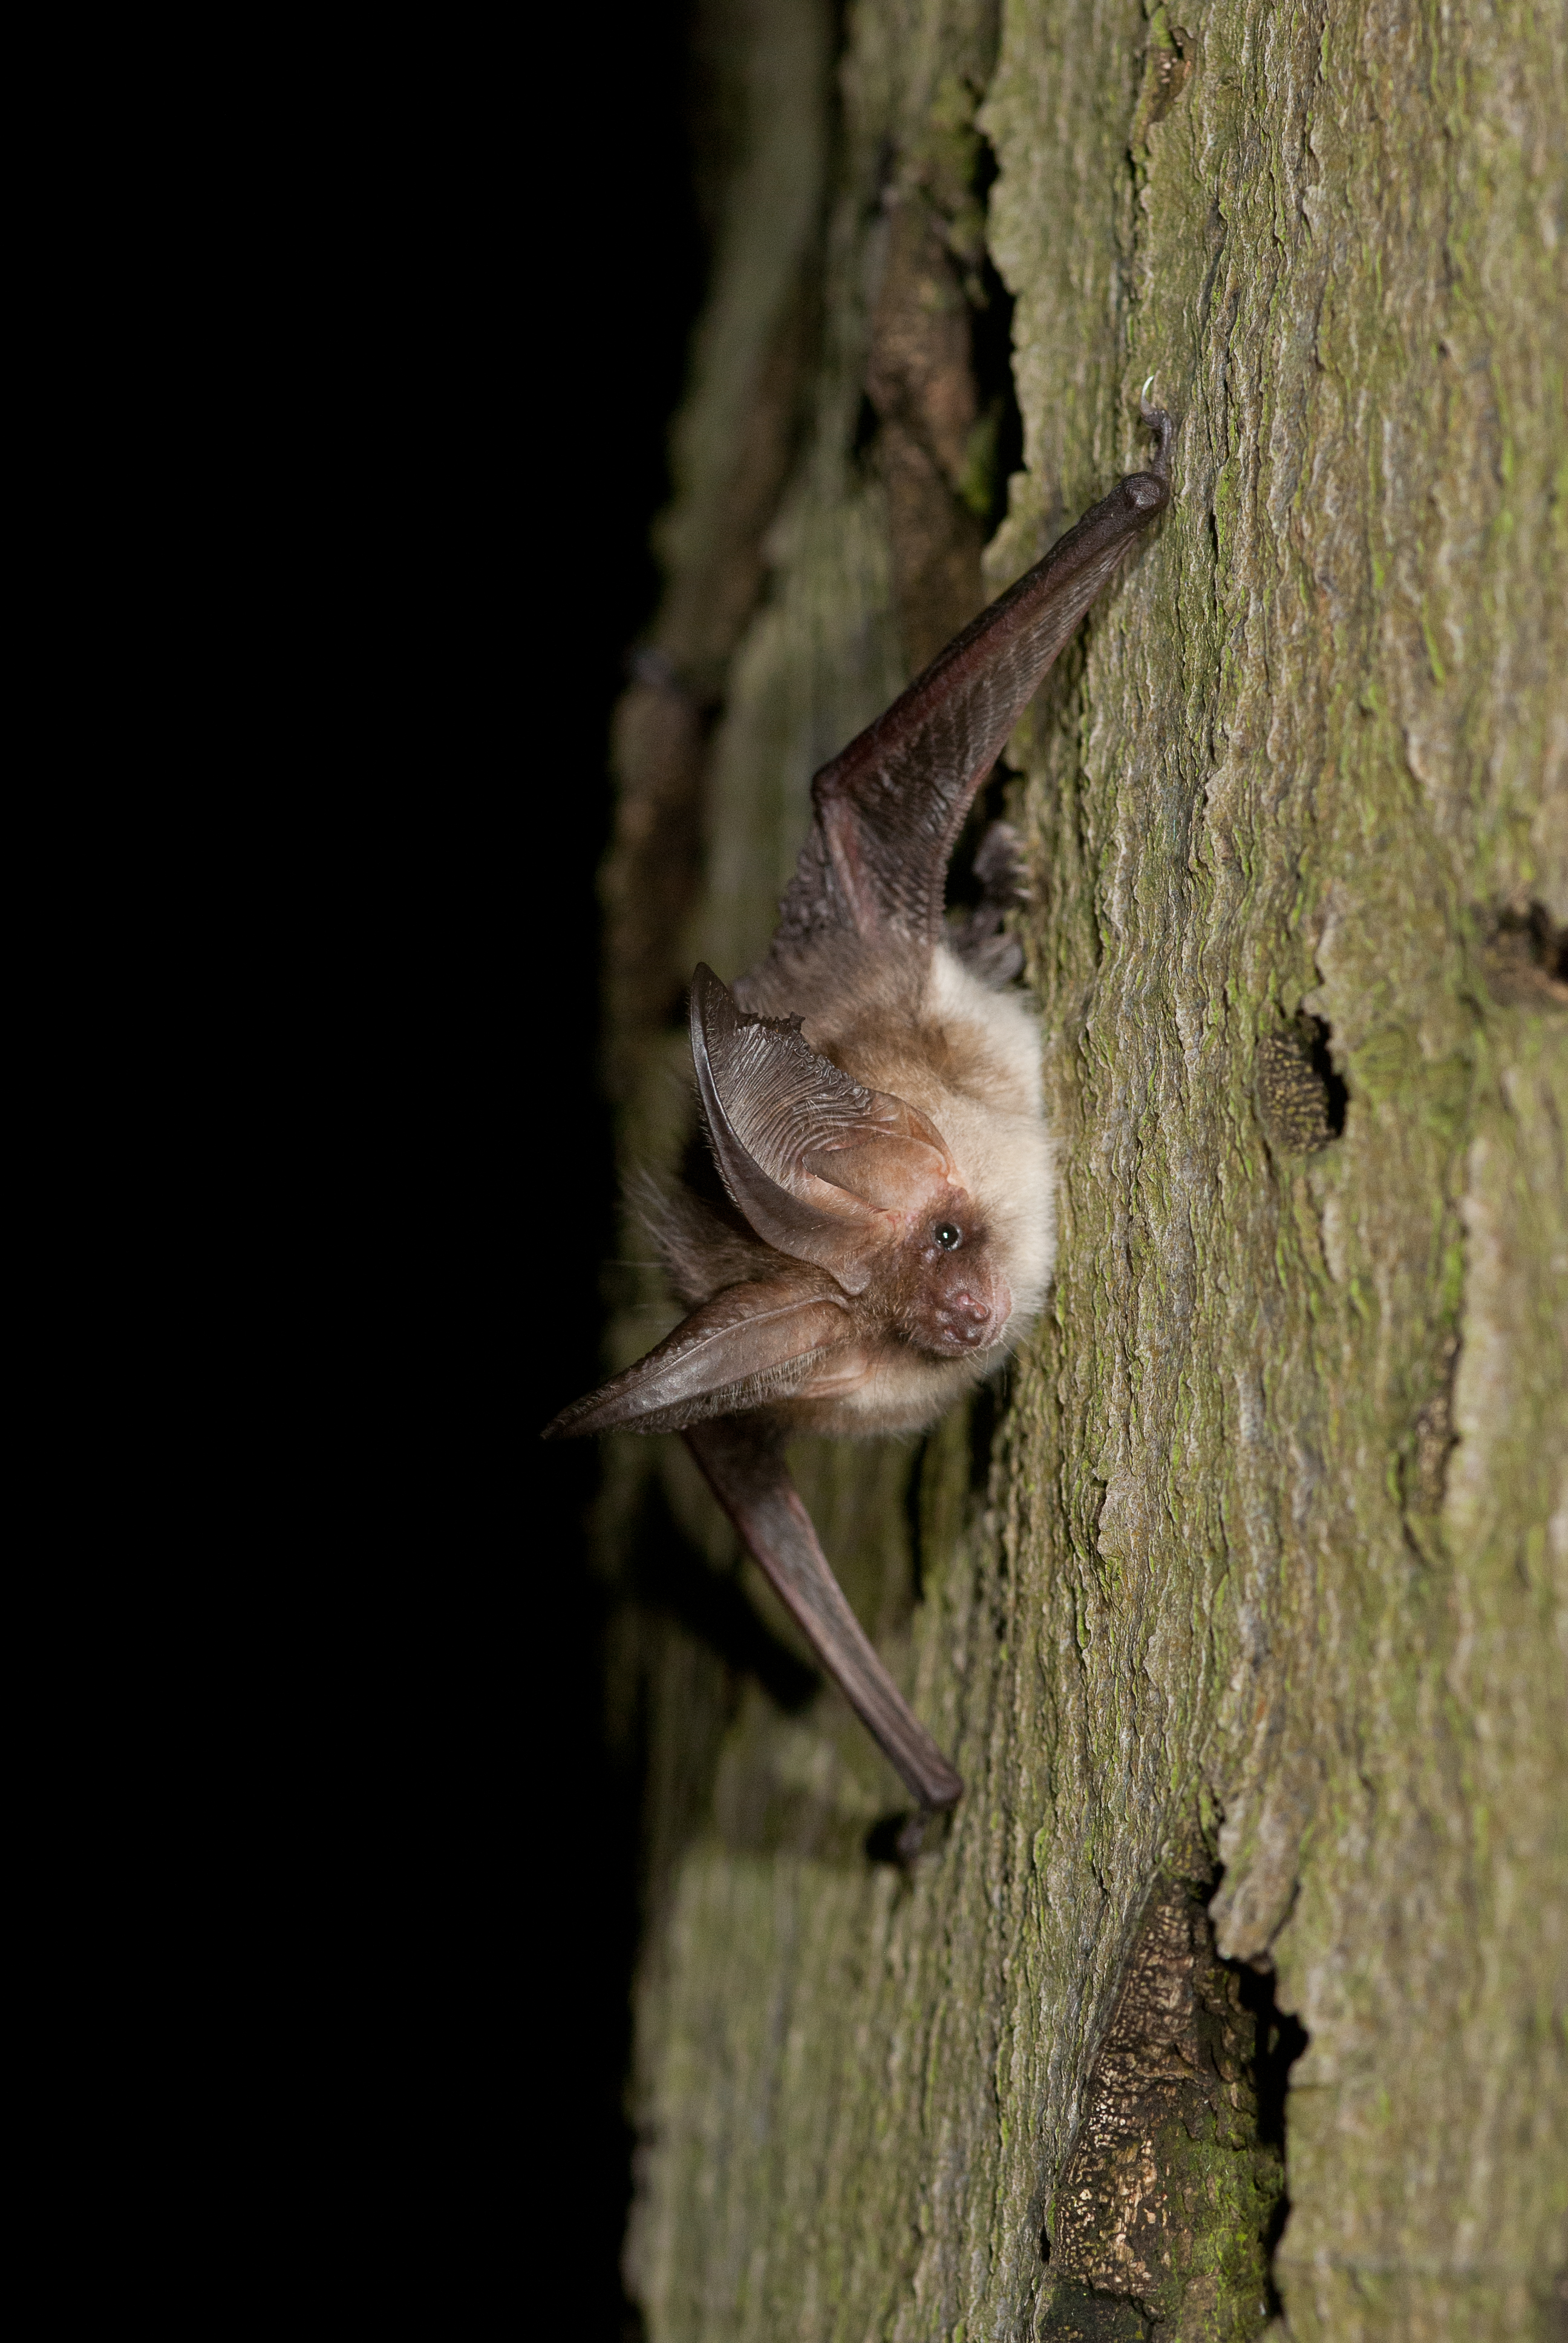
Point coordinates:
[(945, 1290)]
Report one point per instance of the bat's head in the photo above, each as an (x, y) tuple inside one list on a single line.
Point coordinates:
[(944, 1290), (871, 1245), (853, 1181)]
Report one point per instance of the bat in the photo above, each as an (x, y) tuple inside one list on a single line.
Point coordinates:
[(881, 1227)]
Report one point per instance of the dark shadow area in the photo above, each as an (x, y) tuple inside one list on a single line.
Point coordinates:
[(604, 354), (1546, 943), (884, 1840), (1315, 1036), (964, 889), (901, 1837), (867, 426), (914, 1509), (991, 307), (1550, 945), (986, 1409), (1282, 2038), (990, 354), (711, 1604), (1524, 957)]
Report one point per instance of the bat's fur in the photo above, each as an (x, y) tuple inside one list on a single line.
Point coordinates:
[(968, 1058), (966, 1055)]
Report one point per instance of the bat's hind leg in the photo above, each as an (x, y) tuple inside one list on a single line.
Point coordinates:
[(979, 940)]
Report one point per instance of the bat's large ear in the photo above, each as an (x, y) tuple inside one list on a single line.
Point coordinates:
[(824, 1169), (738, 1350)]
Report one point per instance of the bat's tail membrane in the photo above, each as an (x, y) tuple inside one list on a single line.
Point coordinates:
[(743, 1462)]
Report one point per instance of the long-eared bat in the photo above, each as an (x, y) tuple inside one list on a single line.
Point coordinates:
[(871, 1096)]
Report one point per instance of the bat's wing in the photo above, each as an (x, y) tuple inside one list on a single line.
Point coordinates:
[(890, 807), (747, 1345), (743, 1462)]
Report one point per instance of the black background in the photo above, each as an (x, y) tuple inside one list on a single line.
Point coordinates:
[(482, 303), (611, 329)]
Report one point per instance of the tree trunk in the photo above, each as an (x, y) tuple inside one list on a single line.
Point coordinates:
[(1241, 1606)]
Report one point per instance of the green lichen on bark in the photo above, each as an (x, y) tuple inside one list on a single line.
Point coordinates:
[(1270, 1542)]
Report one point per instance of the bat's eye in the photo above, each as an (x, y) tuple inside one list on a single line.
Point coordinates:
[(948, 1238)]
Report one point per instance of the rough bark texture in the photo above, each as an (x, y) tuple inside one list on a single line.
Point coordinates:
[(1256, 1571)]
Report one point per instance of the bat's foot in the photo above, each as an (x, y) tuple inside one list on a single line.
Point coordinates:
[(1000, 868), (995, 958)]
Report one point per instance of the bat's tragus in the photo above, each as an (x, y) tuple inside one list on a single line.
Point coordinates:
[(870, 1094)]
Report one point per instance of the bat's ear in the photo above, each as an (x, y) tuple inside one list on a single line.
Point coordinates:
[(745, 1347), (824, 1169)]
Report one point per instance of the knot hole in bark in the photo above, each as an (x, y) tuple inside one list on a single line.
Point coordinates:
[(1173, 2196), (1526, 959), (1301, 1099)]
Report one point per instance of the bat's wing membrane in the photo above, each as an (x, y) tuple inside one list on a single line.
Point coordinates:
[(743, 1461), (890, 809)]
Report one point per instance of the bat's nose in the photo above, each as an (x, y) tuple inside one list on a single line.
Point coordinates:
[(969, 1313), (964, 1318)]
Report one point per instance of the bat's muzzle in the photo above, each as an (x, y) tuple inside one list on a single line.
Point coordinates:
[(968, 1312)]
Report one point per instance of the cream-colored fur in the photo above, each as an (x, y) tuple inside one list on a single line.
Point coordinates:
[(969, 1058)]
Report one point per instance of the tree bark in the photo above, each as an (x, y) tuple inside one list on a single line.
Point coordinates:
[(1241, 1606)]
